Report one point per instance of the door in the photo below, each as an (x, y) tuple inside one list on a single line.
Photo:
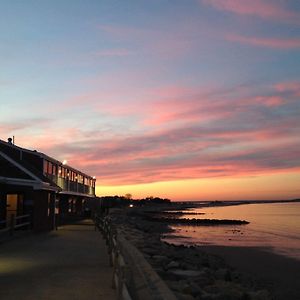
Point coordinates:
[(14, 205)]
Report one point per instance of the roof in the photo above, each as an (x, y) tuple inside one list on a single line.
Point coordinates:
[(12, 172), (42, 155)]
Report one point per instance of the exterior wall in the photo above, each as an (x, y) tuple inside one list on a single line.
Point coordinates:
[(34, 160), (18, 154), (5, 211), (66, 177), (2, 202), (38, 204), (10, 150), (43, 205), (69, 179), (43, 212)]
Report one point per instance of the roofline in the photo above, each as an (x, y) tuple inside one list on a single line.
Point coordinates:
[(27, 182), (44, 156), (16, 164), (76, 194)]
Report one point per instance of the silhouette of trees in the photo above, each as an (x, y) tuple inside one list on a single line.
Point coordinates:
[(128, 196)]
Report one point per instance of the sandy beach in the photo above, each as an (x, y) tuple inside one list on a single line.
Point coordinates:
[(277, 273)]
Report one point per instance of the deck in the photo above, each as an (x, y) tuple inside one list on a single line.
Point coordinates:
[(70, 263)]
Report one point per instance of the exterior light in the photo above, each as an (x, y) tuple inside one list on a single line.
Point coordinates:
[(59, 171), (130, 205), (94, 177), (64, 162)]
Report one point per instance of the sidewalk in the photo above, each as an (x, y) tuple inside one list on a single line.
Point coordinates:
[(70, 263)]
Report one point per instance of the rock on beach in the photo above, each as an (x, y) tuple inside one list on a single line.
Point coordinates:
[(190, 272)]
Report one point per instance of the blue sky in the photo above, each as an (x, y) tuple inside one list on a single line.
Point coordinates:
[(152, 92)]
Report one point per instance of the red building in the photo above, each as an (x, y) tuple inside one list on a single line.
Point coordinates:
[(41, 186)]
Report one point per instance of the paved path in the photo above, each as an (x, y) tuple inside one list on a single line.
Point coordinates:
[(70, 263)]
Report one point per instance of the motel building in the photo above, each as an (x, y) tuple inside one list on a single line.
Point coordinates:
[(40, 188)]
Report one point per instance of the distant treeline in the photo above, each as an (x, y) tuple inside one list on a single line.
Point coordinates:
[(113, 201)]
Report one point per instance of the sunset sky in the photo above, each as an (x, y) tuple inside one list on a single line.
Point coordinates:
[(185, 99)]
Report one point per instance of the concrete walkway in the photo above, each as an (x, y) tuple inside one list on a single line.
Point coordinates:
[(70, 263)]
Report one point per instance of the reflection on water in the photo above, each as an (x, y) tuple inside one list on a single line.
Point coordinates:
[(275, 225)]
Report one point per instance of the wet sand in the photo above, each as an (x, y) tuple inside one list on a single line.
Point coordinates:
[(279, 274)]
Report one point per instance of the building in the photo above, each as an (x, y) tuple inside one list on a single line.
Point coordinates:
[(41, 186)]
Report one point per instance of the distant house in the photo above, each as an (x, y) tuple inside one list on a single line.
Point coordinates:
[(36, 184)]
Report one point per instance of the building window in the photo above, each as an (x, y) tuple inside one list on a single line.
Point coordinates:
[(54, 170), (60, 171), (49, 170), (64, 173), (45, 166)]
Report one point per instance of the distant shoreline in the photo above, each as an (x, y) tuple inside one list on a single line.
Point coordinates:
[(232, 202)]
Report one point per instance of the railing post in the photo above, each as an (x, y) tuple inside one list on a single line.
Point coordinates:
[(12, 224)]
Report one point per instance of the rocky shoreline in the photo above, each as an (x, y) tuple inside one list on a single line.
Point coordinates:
[(188, 271), (196, 222)]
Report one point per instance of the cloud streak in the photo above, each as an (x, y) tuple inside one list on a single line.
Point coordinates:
[(223, 133), (275, 43), (187, 132), (265, 9)]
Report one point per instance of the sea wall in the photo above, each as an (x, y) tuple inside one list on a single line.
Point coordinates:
[(134, 278), (147, 268)]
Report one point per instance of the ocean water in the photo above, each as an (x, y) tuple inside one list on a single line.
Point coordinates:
[(275, 226)]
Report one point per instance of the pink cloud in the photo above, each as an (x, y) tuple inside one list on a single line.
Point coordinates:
[(8, 129), (289, 86), (22, 129), (179, 105), (192, 132), (152, 169), (265, 9), (271, 101), (189, 152), (190, 105), (276, 43)]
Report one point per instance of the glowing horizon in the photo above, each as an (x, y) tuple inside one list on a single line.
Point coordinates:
[(156, 98), (216, 189)]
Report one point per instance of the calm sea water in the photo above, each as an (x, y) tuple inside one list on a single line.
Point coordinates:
[(275, 226)]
